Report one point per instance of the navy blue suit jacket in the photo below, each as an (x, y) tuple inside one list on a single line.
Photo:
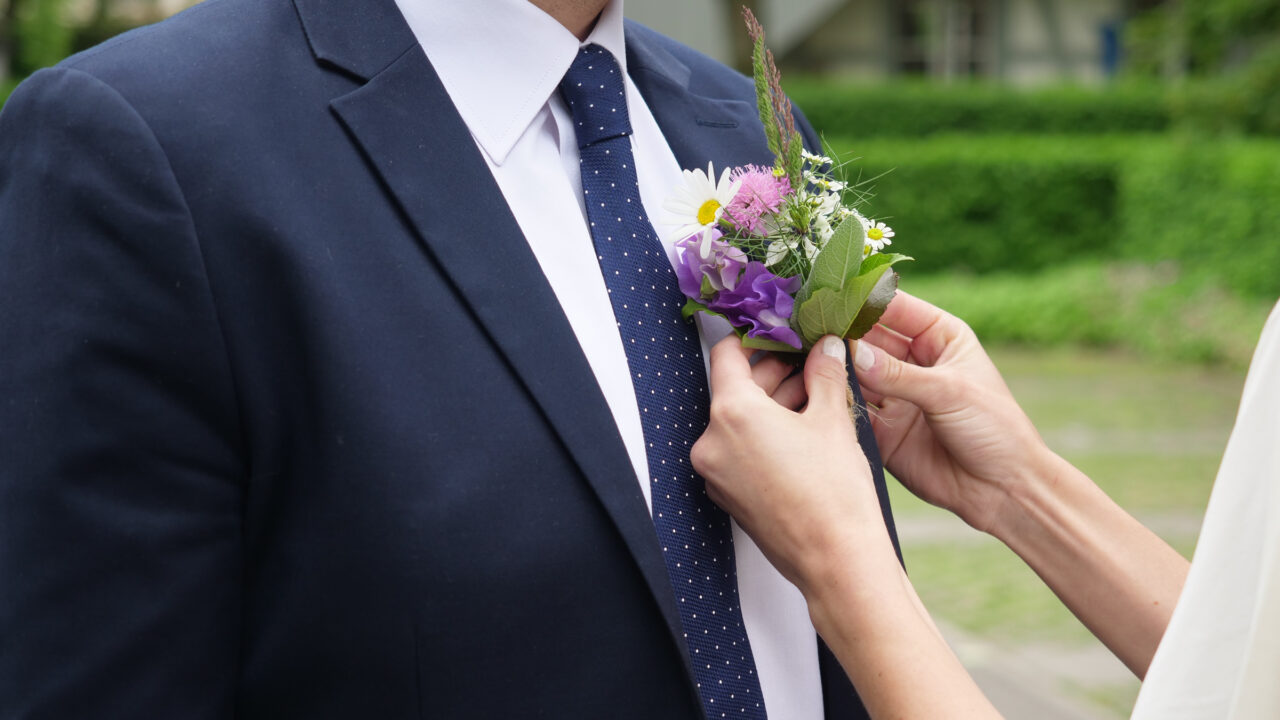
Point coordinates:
[(291, 424)]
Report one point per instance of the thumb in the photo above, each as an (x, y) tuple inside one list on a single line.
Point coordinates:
[(826, 380), (884, 374)]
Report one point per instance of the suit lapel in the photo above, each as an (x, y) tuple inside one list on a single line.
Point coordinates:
[(404, 122)]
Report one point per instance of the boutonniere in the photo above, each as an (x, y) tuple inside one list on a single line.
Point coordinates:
[(783, 252)]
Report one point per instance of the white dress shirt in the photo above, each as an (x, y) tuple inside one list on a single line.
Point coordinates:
[(1220, 657), (501, 62)]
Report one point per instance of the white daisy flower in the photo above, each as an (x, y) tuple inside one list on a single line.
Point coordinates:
[(698, 205), (823, 182), (816, 159), (862, 219), (879, 236)]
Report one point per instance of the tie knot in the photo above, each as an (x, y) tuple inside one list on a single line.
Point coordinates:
[(596, 93)]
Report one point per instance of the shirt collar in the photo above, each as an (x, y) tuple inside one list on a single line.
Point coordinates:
[(501, 60)]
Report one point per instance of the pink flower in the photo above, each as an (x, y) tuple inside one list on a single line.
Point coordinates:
[(759, 194)]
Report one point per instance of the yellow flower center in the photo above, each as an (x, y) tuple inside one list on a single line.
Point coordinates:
[(875, 234), (707, 213)]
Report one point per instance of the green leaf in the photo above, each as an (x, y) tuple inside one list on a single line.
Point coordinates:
[(874, 261), (836, 312), (764, 343), (693, 307), (820, 314), (876, 303), (840, 259)]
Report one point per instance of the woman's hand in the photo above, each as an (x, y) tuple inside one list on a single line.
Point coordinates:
[(797, 482), (946, 423), (949, 429)]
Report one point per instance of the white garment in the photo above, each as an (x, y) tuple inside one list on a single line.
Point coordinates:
[(501, 62), (1220, 657)]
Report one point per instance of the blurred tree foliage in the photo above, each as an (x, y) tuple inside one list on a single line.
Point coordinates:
[(1222, 56), (39, 33), (42, 34), (922, 109)]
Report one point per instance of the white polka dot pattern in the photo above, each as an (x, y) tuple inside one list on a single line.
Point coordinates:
[(664, 356)]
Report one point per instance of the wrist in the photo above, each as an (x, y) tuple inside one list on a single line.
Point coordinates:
[(861, 602), (1030, 497), (856, 567)]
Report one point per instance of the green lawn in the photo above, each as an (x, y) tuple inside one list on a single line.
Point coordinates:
[(1150, 433)]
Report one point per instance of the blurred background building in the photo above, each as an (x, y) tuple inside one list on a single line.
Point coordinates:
[(1015, 41), (1021, 41)]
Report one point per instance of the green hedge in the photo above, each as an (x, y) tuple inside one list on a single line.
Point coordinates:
[(915, 109), (1213, 206), (990, 203), (1150, 309), (985, 204)]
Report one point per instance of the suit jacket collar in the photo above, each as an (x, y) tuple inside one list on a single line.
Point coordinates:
[(403, 120), (358, 38)]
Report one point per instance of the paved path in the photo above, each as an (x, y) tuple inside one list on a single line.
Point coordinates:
[(941, 527), (1036, 682)]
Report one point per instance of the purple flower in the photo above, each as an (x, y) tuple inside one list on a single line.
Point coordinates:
[(704, 259), (759, 193), (763, 301)]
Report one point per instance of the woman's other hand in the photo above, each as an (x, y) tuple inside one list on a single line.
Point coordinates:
[(945, 421)]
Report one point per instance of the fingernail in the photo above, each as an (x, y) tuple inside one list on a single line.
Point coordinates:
[(833, 347), (864, 358)]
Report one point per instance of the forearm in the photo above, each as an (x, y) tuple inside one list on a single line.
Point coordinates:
[(1119, 578), (870, 616)]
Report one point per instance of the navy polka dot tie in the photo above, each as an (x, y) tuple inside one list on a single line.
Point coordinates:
[(665, 359)]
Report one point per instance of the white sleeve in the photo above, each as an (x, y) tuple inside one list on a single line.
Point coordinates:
[(1220, 657)]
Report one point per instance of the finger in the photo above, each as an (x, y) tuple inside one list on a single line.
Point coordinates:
[(825, 376), (909, 315), (730, 364), (884, 375), (770, 372), (929, 329), (889, 341), (870, 395), (791, 393), (891, 424)]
